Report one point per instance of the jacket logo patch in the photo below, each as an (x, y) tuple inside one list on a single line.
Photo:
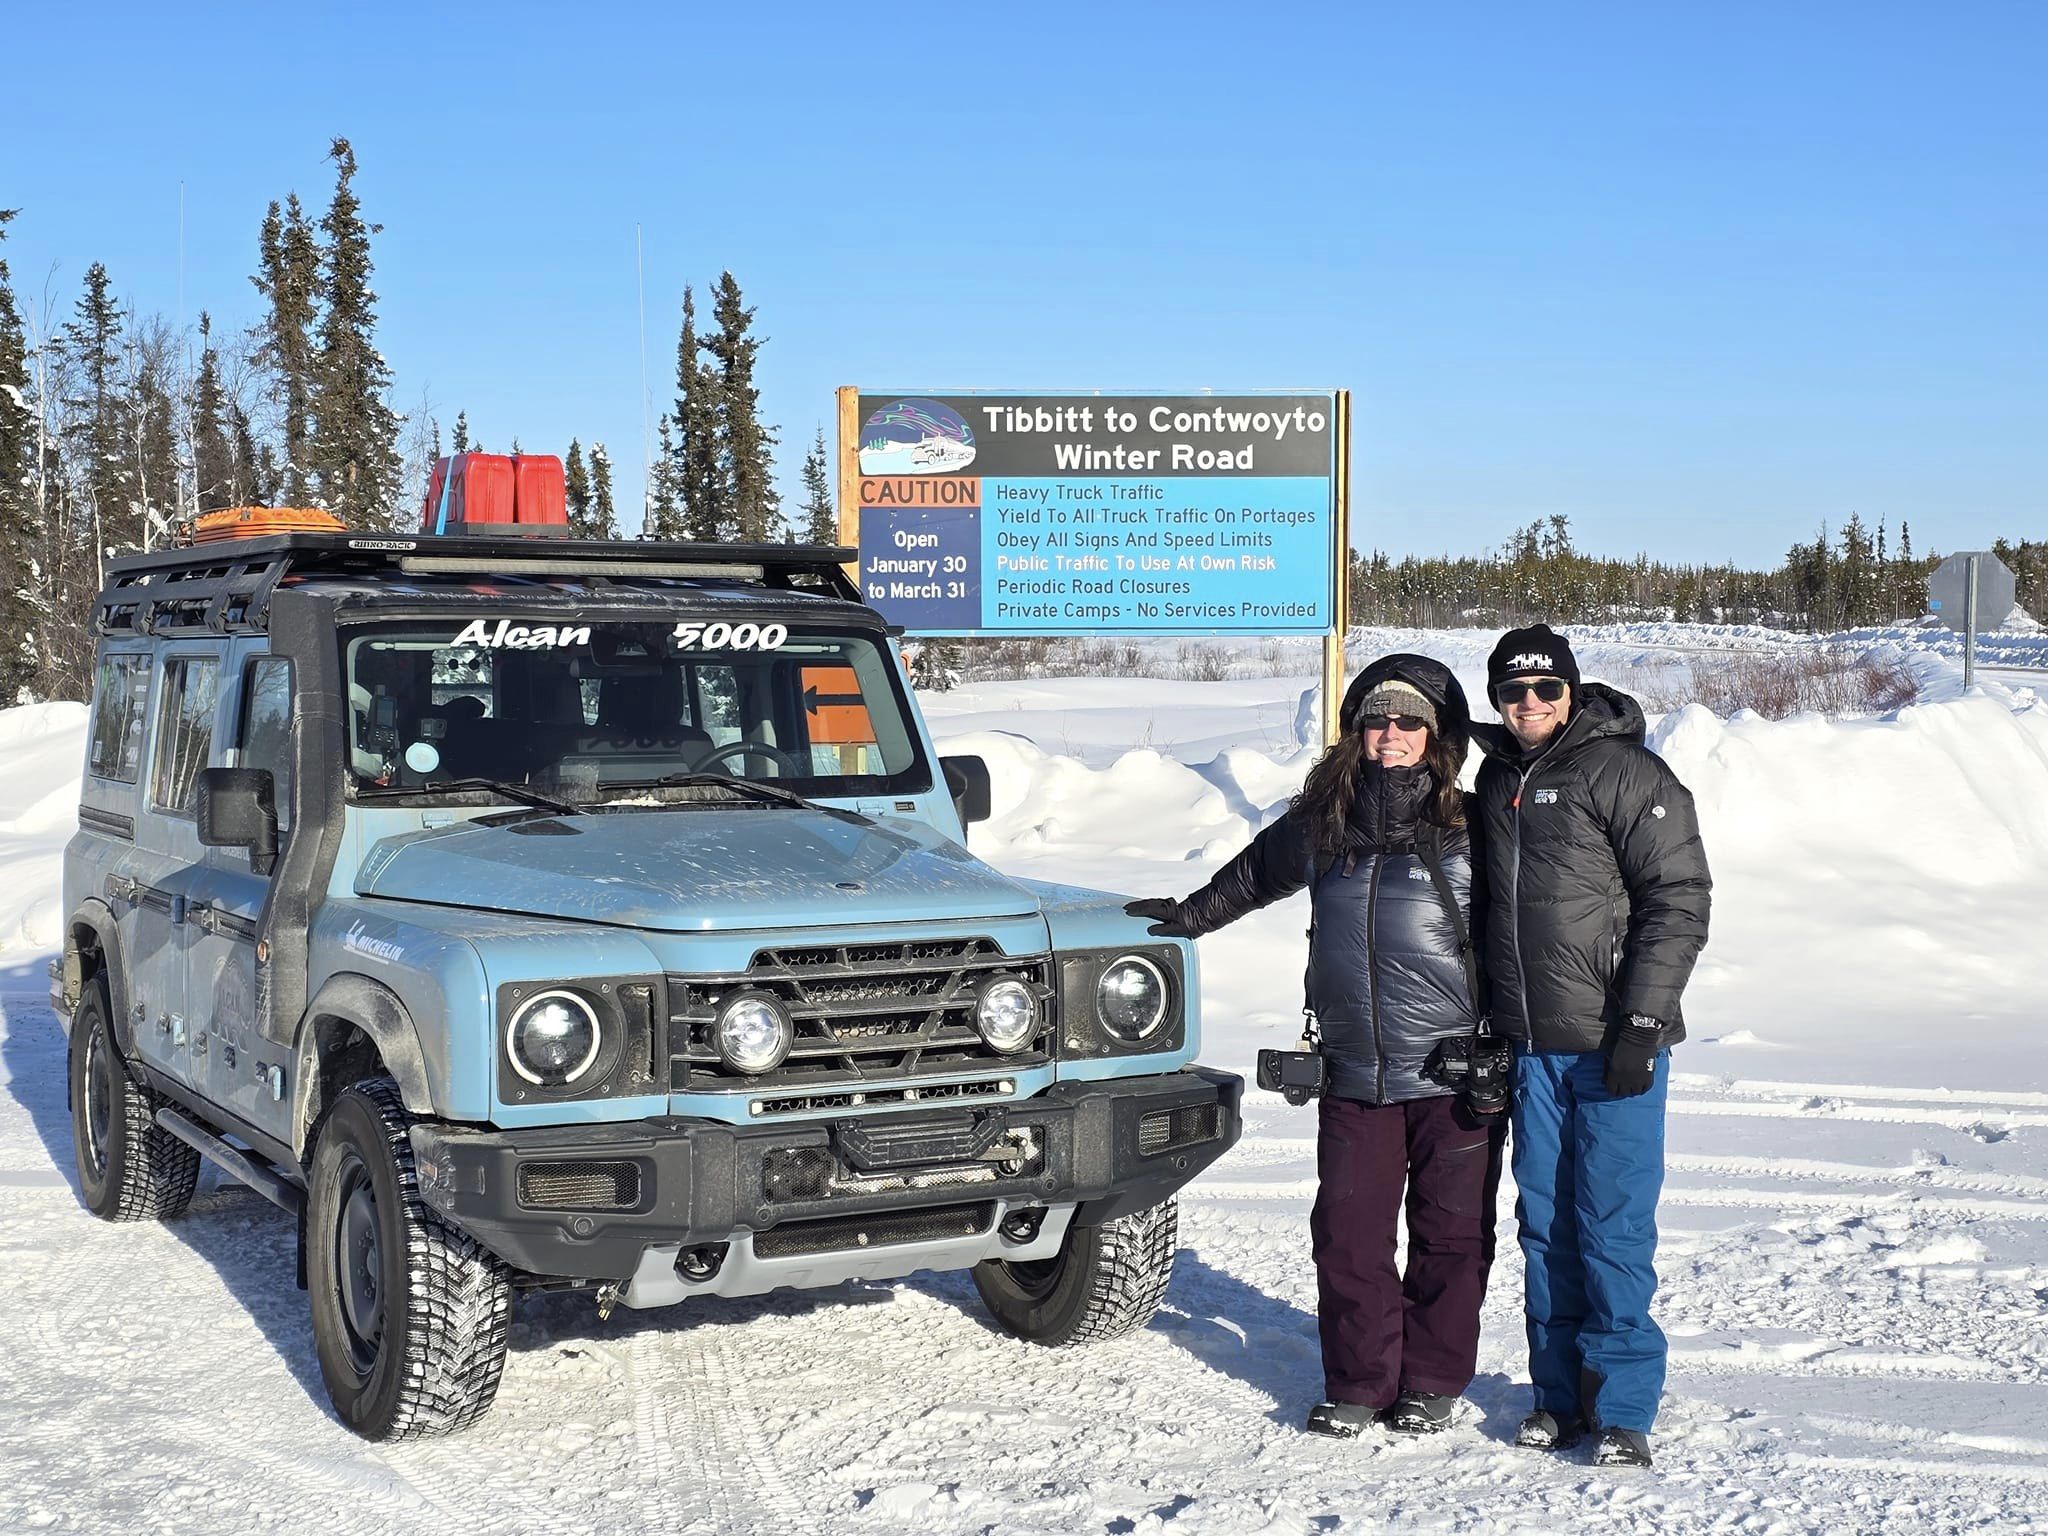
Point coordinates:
[(1530, 661), (1657, 811), (1418, 874), (1544, 797)]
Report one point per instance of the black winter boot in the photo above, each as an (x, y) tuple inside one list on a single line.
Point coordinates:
[(1622, 1448), (1341, 1421), (1420, 1413), (1547, 1432)]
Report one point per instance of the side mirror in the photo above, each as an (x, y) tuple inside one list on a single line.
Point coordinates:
[(238, 809), (967, 781)]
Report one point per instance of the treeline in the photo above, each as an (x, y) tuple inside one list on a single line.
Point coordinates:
[(1849, 579), (119, 429)]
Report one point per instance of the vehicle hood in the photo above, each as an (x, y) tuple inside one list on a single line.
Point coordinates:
[(695, 869)]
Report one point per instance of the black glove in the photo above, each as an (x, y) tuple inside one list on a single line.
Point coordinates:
[(1168, 917), (1632, 1061)]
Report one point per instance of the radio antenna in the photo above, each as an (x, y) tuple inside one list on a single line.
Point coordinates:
[(646, 398)]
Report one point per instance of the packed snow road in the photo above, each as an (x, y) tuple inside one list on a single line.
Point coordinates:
[(1854, 1286), (1855, 1219)]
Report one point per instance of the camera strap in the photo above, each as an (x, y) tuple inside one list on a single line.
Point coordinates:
[(1429, 849)]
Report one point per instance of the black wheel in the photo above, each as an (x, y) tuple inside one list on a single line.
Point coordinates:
[(410, 1317), (129, 1167), (1105, 1281)]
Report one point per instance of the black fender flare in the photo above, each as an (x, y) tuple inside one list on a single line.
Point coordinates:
[(348, 1003), (94, 924)]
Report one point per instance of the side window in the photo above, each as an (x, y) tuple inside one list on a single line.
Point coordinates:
[(266, 740), (184, 730), (120, 710)]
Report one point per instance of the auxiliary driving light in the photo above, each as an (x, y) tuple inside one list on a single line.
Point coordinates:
[(1006, 1013), (754, 1032)]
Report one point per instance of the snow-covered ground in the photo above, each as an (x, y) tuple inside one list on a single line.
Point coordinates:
[(1855, 1220)]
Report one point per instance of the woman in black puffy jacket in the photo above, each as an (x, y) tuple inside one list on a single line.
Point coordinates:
[(1379, 831)]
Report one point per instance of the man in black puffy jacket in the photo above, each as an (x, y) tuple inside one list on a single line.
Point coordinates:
[(1599, 909)]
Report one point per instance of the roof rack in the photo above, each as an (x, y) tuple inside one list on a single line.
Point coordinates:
[(220, 588)]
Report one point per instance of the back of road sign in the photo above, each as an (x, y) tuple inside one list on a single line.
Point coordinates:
[(1948, 590)]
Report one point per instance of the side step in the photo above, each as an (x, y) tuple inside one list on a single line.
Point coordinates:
[(259, 1176)]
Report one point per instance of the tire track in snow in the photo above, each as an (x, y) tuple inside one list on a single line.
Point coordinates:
[(1846, 1202), (1768, 1088), (684, 1387)]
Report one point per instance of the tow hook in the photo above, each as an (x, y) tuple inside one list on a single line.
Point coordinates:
[(1020, 1227), (701, 1264), (607, 1298)]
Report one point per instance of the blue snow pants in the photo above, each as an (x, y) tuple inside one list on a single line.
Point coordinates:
[(1590, 1167)]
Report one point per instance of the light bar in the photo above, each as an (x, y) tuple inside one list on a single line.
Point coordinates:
[(423, 565)]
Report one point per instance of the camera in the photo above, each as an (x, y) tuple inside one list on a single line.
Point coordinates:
[(1478, 1067), (1297, 1076)]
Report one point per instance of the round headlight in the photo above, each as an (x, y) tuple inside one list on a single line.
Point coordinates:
[(754, 1033), (553, 1038), (1006, 1014), (1131, 997)]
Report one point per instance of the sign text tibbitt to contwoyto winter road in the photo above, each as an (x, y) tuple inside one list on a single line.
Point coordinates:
[(1102, 514)]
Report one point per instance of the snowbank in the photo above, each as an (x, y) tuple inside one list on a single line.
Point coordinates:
[(42, 753)]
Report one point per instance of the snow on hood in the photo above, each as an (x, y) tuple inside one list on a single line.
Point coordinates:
[(695, 868)]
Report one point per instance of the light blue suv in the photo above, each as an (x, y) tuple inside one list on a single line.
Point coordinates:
[(527, 914)]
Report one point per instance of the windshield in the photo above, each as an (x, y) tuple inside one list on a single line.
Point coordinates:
[(599, 711)]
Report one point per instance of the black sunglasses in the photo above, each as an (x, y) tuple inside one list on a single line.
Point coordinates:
[(1410, 723), (1549, 690)]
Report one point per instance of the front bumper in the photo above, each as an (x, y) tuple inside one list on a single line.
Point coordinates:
[(586, 1202)]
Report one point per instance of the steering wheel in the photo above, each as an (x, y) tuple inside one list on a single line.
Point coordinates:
[(775, 755)]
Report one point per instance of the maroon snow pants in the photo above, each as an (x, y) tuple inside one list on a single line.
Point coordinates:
[(1384, 1332)]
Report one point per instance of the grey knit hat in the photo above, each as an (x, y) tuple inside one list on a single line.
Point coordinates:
[(1394, 697)]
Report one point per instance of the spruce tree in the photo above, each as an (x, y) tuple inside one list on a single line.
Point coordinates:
[(355, 432), (253, 486), (701, 492), (289, 256), (601, 512), (460, 442), (152, 389), (92, 343), (745, 443), (821, 517), (22, 604), (664, 518), (576, 494), (213, 449)]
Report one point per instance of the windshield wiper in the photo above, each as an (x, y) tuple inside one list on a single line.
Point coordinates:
[(769, 793), (518, 792)]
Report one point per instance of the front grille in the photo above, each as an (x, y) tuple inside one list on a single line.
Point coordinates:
[(881, 1231), (1164, 1129), (580, 1186), (864, 1013)]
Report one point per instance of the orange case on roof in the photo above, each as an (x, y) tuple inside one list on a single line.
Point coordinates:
[(539, 495), (255, 522)]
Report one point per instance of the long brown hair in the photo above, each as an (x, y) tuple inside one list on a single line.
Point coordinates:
[(1331, 789)]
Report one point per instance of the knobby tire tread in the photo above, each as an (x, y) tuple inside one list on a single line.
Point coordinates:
[(457, 1326)]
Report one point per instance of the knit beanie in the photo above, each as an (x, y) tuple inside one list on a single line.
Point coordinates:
[(1537, 651), (1394, 697)]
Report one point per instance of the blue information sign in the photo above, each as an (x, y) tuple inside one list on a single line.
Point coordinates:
[(1099, 514)]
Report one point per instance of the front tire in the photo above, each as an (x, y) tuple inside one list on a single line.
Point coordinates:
[(129, 1167), (1105, 1281), (411, 1318)]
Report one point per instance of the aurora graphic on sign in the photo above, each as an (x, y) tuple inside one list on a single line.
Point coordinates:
[(915, 437)]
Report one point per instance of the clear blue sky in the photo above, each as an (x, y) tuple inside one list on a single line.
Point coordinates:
[(1697, 276)]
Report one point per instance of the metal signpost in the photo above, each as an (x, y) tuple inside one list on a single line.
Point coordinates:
[(1965, 586), (1102, 514)]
